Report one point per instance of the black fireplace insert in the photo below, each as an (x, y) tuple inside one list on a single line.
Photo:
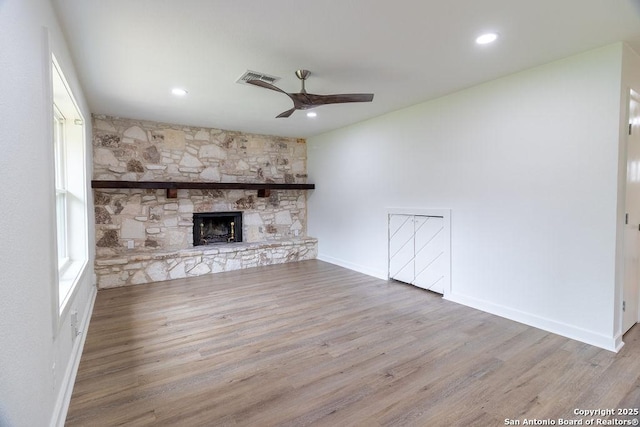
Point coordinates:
[(217, 227)]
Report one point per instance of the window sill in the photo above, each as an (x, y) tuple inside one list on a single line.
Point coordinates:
[(68, 280)]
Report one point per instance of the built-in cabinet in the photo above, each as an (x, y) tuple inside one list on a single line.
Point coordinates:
[(419, 250)]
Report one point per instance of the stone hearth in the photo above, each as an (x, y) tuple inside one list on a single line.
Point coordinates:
[(135, 269)]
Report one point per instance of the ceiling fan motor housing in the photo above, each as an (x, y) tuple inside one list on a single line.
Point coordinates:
[(303, 74)]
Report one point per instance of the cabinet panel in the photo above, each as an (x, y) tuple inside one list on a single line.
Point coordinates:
[(431, 275), (418, 251), (401, 251), (430, 264)]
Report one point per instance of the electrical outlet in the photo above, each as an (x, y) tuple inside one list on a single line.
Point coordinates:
[(129, 244), (296, 232), (74, 324)]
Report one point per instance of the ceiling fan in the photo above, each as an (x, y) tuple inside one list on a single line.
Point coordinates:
[(306, 101)]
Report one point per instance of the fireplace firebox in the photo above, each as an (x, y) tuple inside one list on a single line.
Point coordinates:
[(217, 227)]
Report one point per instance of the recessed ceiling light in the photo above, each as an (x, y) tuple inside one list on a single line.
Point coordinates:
[(312, 114), (487, 38), (178, 91)]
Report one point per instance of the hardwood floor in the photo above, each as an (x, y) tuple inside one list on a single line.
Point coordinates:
[(311, 343)]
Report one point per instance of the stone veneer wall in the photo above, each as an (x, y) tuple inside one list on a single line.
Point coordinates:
[(134, 223)]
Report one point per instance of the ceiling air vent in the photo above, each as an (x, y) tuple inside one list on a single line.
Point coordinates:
[(254, 75)]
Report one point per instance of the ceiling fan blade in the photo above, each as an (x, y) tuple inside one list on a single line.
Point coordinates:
[(286, 113), (266, 85), (300, 99), (304, 100), (340, 98)]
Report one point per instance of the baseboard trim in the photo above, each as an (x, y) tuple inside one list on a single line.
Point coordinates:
[(618, 342), (355, 267), (66, 389), (609, 343)]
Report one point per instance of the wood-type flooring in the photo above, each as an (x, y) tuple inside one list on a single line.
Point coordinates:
[(311, 343)]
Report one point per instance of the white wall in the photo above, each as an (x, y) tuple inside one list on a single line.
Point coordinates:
[(630, 80), (32, 340), (529, 166)]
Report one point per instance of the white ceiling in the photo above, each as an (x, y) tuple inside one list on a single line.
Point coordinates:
[(130, 53)]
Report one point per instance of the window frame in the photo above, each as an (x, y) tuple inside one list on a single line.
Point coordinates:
[(62, 219), (68, 141)]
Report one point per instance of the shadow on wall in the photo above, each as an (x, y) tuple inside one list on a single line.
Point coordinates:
[(4, 422)]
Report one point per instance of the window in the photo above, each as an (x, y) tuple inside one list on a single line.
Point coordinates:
[(70, 187), (61, 188)]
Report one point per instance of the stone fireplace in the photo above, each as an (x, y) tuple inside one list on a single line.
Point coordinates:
[(144, 235), (210, 228)]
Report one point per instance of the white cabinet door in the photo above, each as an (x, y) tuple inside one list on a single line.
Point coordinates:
[(401, 253), (430, 262), (417, 251)]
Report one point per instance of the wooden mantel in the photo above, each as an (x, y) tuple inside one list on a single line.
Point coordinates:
[(264, 189)]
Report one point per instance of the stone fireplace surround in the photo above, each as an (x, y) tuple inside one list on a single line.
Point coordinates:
[(142, 236)]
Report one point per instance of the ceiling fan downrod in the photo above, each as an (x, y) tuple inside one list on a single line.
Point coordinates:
[(302, 75)]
